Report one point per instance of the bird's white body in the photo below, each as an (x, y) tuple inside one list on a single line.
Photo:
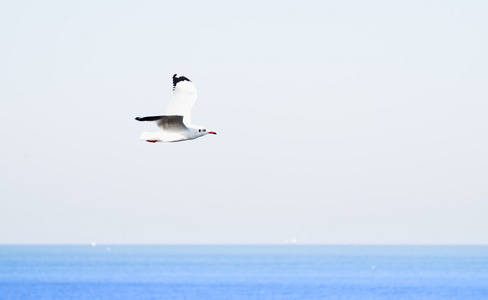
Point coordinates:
[(165, 136), (176, 124)]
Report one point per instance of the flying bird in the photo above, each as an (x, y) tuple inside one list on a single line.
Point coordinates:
[(176, 124)]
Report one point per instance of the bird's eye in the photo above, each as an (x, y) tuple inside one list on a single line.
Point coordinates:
[(199, 130), (204, 129)]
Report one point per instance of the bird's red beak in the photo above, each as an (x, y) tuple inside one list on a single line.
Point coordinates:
[(212, 132)]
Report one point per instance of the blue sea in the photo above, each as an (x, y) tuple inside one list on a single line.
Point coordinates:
[(243, 272)]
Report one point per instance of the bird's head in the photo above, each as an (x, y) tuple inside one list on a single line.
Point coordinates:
[(203, 131)]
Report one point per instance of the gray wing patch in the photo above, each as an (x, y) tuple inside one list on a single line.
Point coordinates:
[(172, 123)]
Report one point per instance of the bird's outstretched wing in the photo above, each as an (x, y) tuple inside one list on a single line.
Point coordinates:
[(167, 123), (184, 96)]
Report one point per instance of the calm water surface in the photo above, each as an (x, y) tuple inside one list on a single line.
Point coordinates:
[(243, 272)]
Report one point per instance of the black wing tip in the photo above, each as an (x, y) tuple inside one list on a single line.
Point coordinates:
[(150, 118), (178, 78)]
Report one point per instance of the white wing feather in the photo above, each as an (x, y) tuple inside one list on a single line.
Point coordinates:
[(184, 96)]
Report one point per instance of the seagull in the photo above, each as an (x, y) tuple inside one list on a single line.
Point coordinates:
[(176, 124)]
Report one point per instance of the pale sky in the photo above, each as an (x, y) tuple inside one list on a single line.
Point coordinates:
[(339, 122)]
